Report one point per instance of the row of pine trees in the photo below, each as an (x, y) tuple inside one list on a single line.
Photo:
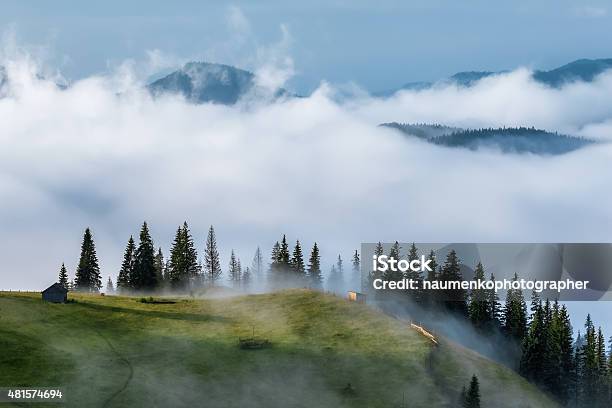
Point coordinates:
[(145, 270)]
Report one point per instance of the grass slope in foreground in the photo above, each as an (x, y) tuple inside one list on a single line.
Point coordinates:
[(119, 352)]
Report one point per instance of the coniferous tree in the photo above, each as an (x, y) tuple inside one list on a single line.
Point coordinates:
[(567, 369), (284, 256), (550, 370), (534, 346), (314, 267), (454, 299), (126, 272), (63, 277), (478, 307), (356, 279), (87, 277), (234, 271), (335, 280), (430, 294), (167, 272), (391, 275), (417, 295), (183, 260), (602, 379), (212, 262), (246, 278), (297, 262), (110, 289), (159, 266), (589, 366), (515, 315), (145, 276), (332, 279), (378, 250), (472, 396), (257, 266), (376, 274), (601, 353), (578, 369), (493, 305), (275, 267)]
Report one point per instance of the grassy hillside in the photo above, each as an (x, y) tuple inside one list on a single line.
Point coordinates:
[(117, 351)]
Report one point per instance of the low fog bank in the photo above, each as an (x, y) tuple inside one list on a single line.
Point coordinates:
[(102, 153)]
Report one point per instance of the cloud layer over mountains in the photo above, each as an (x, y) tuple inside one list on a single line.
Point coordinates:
[(313, 168)]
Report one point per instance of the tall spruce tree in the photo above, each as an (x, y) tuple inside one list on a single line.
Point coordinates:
[(603, 386), (356, 278), (478, 306), (284, 256), (534, 346), (394, 275), (472, 396), (246, 278), (63, 277), (430, 294), (493, 304), (567, 369), (454, 299), (234, 270), (159, 267), (183, 260), (589, 366), (212, 262), (274, 275), (314, 267), (333, 279), (257, 266), (145, 275), (515, 315), (127, 267), (87, 277), (376, 274), (297, 262), (550, 369), (418, 294)]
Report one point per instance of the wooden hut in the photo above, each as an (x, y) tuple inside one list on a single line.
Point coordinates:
[(55, 293)]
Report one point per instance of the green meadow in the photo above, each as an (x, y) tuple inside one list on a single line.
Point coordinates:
[(112, 351)]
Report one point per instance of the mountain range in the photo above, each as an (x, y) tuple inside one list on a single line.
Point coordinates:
[(204, 82), (517, 140), (584, 70)]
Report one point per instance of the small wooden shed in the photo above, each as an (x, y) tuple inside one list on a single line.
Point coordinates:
[(55, 293), (356, 297)]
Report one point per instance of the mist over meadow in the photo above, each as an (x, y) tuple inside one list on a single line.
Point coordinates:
[(103, 153)]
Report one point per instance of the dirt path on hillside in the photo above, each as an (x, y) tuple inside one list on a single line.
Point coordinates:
[(112, 348)]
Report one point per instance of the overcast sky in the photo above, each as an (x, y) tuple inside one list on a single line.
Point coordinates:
[(378, 45)]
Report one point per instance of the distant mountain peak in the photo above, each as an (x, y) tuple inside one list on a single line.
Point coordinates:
[(580, 70), (203, 82)]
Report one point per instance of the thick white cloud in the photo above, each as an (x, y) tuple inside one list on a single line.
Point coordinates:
[(309, 167)]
